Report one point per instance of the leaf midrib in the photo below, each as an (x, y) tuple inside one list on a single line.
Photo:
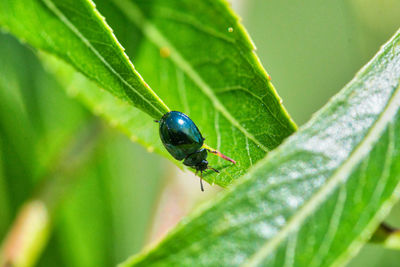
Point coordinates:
[(75, 30), (362, 149), (134, 14)]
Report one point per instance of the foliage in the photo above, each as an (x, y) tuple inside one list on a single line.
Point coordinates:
[(312, 201), (317, 197), (210, 82)]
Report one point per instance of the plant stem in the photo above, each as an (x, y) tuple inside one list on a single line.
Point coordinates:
[(387, 236)]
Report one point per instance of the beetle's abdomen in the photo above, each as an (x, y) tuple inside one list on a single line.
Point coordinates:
[(180, 135)]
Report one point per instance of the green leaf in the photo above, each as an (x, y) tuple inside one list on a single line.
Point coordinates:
[(197, 56), (76, 32), (202, 63), (315, 199)]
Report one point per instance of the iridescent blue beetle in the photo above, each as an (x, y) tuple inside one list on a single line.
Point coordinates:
[(183, 140)]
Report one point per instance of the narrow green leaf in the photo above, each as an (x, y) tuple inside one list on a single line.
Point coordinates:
[(202, 63), (77, 33), (314, 200)]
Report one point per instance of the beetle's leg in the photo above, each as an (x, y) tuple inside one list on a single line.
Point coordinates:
[(217, 171), (211, 168), (201, 181), (219, 154)]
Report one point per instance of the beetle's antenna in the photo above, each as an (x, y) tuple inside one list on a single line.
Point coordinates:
[(219, 154), (156, 121), (201, 181), (211, 168)]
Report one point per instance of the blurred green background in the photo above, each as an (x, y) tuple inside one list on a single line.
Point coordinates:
[(119, 197)]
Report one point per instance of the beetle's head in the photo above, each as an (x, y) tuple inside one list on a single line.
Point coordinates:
[(202, 166)]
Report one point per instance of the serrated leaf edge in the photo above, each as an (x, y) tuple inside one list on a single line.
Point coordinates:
[(75, 30)]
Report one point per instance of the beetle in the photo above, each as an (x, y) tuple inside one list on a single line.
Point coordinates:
[(183, 140)]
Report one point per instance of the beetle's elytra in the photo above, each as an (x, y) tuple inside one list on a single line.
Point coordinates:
[(183, 140)]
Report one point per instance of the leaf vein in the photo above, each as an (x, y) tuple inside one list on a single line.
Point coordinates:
[(360, 151), (134, 14), (75, 30), (333, 227)]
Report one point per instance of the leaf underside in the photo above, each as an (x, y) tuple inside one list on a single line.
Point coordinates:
[(197, 57), (315, 199), (208, 71), (75, 32)]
